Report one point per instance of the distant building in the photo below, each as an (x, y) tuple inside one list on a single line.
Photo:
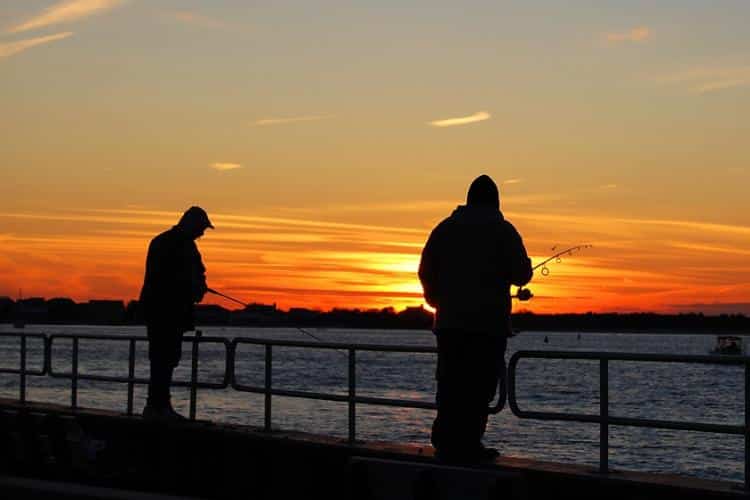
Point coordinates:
[(256, 314), (104, 312), (416, 317), (32, 310), (300, 315), (211, 314), (62, 310), (6, 308)]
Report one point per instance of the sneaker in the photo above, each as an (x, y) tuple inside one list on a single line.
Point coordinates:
[(153, 413), (174, 415), (486, 453), (161, 413)]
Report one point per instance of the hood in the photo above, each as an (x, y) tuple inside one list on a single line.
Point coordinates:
[(477, 214)]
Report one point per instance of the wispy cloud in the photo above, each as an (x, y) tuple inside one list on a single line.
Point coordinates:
[(223, 167), (511, 181), (11, 48), (609, 186), (291, 119), (707, 79), (720, 85), (638, 34), (461, 120), (66, 12), (195, 19)]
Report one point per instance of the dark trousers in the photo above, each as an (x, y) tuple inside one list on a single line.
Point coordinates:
[(164, 354), (469, 368)]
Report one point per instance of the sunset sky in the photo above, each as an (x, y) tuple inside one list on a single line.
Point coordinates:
[(326, 138)]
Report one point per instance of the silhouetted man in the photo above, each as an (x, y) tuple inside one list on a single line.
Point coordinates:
[(175, 280), (468, 264)]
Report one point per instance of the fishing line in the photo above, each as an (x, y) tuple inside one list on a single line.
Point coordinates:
[(211, 290)]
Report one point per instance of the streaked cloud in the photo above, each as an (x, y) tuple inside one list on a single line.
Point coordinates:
[(12, 48), (195, 19), (291, 119), (461, 120), (223, 167), (720, 85), (711, 249), (707, 79), (511, 181), (638, 34), (319, 263), (609, 186), (66, 12), (606, 223)]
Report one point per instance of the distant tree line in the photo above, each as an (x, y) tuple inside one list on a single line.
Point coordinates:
[(633, 322), (116, 312)]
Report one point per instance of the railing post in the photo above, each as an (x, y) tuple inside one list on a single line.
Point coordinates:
[(47, 355), (604, 415), (22, 381), (267, 400), (194, 374), (747, 424), (352, 395), (131, 375), (74, 377)]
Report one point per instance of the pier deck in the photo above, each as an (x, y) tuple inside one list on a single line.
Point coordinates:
[(48, 445)]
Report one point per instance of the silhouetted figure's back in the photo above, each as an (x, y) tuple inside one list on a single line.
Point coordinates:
[(174, 281), (468, 264)]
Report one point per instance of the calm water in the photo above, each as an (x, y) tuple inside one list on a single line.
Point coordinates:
[(675, 391)]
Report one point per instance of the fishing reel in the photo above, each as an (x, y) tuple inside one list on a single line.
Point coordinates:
[(523, 294)]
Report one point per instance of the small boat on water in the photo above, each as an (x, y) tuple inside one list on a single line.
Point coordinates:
[(728, 344)]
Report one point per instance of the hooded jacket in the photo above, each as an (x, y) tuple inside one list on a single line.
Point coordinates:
[(468, 264)]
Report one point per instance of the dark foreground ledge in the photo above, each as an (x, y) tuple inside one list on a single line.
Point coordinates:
[(50, 451)]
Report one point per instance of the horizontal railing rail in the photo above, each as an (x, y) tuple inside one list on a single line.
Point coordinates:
[(604, 419), (229, 379), (23, 353), (133, 339), (22, 371), (351, 398)]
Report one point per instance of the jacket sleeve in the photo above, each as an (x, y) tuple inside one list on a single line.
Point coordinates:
[(520, 271), (428, 271), (197, 275)]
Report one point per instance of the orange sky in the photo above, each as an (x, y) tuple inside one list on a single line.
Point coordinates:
[(326, 139), (294, 261)]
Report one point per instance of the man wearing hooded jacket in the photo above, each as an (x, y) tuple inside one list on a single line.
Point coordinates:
[(174, 281), (468, 264)]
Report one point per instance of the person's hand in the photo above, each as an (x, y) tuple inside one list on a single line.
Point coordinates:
[(524, 294), (200, 292)]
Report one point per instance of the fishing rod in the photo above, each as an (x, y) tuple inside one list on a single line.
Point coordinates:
[(211, 290), (558, 258), (524, 294)]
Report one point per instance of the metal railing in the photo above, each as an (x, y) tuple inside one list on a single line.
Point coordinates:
[(229, 379), (22, 371), (351, 398), (131, 380), (604, 419)]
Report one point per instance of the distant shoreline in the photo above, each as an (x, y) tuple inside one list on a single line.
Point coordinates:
[(64, 311), (363, 328)]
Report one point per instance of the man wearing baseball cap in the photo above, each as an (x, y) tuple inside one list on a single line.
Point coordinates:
[(175, 280)]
